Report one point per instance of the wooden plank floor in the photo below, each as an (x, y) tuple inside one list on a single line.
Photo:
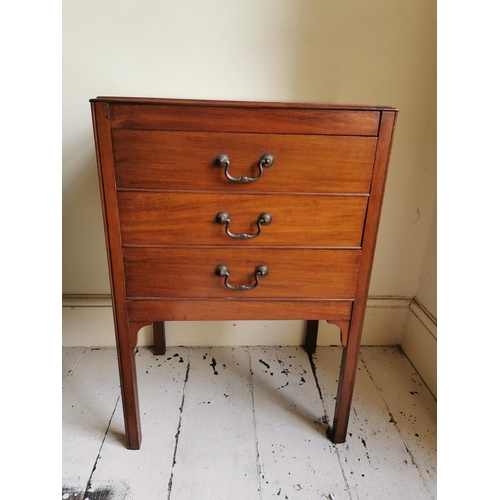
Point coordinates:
[(247, 423)]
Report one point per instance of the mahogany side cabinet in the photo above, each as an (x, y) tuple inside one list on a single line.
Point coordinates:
[(220, 210)]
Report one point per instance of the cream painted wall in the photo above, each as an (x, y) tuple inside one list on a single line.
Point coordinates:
[(419, 333), (347, 51), (427, 287)]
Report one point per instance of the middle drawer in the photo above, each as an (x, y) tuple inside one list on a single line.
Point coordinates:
[(169, 218)]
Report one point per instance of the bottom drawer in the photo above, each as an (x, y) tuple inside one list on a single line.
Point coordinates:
[(189, 272)]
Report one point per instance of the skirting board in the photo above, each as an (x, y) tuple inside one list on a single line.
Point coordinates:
[(419, 343), (88, 321)]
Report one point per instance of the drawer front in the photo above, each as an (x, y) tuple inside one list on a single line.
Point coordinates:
[(185, 161), (233, 118), (169, 218), (189, 272)]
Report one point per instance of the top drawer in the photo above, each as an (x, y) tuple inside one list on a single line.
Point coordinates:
[(147, 159), (234, 117)]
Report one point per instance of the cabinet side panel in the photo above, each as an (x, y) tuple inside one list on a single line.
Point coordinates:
[(351, 351), (109, 200), (124, 342), (382, 154)]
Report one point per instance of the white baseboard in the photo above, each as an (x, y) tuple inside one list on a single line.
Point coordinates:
[(88, 321), (419, 342)]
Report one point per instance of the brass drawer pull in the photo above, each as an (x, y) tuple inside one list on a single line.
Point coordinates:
[(265, 161), (264, 219), (223, 272)]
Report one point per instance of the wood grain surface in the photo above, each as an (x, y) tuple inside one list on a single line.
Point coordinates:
[(185, 160), (238, 119), (189, 218), (162, 101), (189, 272), (351, 351), (126, 354), (237, 309)]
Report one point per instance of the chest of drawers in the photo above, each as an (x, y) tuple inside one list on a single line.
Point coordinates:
[(218, 210)]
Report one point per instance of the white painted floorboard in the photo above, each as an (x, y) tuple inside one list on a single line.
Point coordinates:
[(90, 394), (297, 460), (216, 455), (247, 423), (377, 456), (144, 473)]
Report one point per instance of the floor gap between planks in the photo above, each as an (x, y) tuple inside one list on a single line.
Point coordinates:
[(257, 461), (247, 423), (177, 434)]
